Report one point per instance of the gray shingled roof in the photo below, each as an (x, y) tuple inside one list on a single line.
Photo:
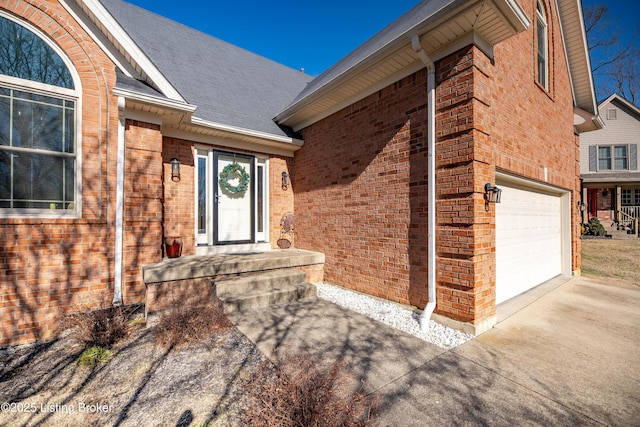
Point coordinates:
[(229, 85), (421, 14)]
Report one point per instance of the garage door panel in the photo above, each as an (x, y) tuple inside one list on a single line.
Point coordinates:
[(528, 240)]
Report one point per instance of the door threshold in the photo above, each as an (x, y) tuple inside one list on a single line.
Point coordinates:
[(243, 248)]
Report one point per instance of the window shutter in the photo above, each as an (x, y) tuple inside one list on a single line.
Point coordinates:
[(593, 157), (633, 157)]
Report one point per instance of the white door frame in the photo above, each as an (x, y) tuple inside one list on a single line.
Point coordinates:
[(205, 171), (565, 206)]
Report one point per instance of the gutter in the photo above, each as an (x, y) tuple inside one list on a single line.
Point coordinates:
[(425, 317), (118, 261)]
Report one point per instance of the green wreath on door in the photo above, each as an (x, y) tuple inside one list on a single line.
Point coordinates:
[(231, 171)]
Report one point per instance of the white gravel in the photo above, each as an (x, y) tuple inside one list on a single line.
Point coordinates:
[(393, 315)]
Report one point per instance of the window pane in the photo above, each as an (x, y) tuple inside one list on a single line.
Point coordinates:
[(260, 190), (5, 177), (620, 154), (542, 53), (26, 56), (39, 181), (37, 126), (626, 197), (604, 158), (202, 195), (5, 120)]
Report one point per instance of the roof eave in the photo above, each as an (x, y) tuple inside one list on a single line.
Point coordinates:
[(511, 16), (103, 19), (577, 53)]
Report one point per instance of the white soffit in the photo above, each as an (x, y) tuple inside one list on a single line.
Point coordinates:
[(577, 52), (488, 22)]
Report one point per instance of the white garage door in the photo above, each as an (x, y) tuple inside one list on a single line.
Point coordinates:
[(528, 240)]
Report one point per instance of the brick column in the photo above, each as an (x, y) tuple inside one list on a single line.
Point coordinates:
[(466, 225)]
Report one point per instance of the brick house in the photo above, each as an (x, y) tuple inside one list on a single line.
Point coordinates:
[(451, 100), (609, 164)]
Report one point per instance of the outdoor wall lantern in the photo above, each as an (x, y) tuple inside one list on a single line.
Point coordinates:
[(582, 206), (175, 170), (285, 181), (492, 193)]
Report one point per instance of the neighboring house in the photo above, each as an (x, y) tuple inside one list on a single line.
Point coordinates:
[(390, 154), (609, 164)]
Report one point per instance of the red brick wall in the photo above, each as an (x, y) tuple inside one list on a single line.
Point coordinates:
[(361, 182), (280, 199), (179, 199), (143, 211), (360, 188), (49, 266)]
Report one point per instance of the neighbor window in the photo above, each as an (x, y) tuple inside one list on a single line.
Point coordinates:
[(613, 157), (38, 154), (604, 158), (630, 197), (542, 45)]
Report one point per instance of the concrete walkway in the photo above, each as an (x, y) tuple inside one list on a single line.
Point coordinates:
[(572, 357)]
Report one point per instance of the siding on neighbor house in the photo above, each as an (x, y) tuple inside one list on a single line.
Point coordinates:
[(361, 190), (622, 130)]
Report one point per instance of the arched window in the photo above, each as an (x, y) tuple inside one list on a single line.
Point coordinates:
[(542, 46), (38, 153)]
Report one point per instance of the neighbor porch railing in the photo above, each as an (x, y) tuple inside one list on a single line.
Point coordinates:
[(632, 211), (628, 216)]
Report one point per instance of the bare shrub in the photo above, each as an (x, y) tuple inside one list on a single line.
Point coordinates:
[(103, 327), (304, 391), (183, 324)]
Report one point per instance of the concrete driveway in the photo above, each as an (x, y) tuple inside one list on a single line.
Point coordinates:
[(571, 357)]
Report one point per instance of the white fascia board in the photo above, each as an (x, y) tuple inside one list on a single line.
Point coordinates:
[(382, 52), (137, 55), (154, 100), (514, 14), (577, 53), (471, 38), (229, 142), (511, 10), (247, 132), (99, 37)]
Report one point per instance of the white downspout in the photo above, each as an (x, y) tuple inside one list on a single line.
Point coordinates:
[(425, 317), (117, 274)]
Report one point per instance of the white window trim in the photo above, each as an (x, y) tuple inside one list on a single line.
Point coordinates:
[(543, 19), (55, 91)]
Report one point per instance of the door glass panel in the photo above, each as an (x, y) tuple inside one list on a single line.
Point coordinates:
[(260, 199), (202, 195)]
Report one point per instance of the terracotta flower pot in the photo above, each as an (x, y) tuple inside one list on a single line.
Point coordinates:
[(173, 246)]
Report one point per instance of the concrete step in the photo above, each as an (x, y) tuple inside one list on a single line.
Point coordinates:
[(277, 294), (262, 289), (264, 280)]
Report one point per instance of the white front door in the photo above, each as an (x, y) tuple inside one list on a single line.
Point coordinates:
[(233, 201), (231, 198)]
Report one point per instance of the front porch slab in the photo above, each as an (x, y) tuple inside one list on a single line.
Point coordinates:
[(192, 277)]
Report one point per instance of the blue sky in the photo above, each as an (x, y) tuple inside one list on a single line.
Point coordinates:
[(315, 35)]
